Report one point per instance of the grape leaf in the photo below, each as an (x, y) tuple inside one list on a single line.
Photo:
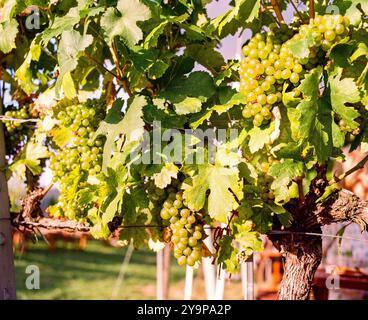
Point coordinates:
[(286, 219), (198, 84), (247, 238), (61, 24), (341, 54), (244, 11), (259, 137), (115, 183), (342, 92), (163, 178), (206, 55), (31, 155), (24, 72), (124, 22), (260, 216), (188, 105), (236, 99), (168, 120), (62, 136), (131, 126), (7, 9), (361, 50), (228, 255), (133, 202), (71, 45), (284, 173), (300, 48), (136, 235), (354, 14), (221, 200), (315, 116), (151, 39), (8, 33), (338, 136), (157, 69)]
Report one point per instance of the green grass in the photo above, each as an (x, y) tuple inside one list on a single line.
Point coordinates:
[(89, 274)]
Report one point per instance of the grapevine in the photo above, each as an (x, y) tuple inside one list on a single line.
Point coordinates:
[(152, 135)]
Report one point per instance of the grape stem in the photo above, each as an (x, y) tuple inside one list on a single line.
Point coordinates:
[(358, 166), (297, 10), (120, 72), (266, 9), (311, 9), (277, 10), (100, 64), (299, 181)]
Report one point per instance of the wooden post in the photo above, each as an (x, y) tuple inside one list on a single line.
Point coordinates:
[(159, 274), (163, 273), (220, 284), (7, 271), (209, 270), (247, 276), (188, 283), (167, 261)]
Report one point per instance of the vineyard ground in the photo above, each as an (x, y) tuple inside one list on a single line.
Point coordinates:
[(91, 274)]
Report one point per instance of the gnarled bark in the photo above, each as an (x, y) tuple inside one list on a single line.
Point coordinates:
[(303, 253), (341, 206)]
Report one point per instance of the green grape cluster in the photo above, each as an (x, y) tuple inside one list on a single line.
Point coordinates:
[(16, 132), (263, 71), (83, 153), (269, 63), (328, 29), (265, 180), (264, 184), (187, 231)]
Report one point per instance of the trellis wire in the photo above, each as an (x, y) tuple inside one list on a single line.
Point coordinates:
[(4, 118), (273, 232)]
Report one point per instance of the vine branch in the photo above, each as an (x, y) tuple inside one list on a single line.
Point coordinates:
[(311, 9), (358, 166), (297, 10), (100, 64), (277, 10), (120, 72), (341, 206)]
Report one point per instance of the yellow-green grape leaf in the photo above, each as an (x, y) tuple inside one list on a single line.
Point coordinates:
[(219, 181), (71, 45), (188, 105), (163, 178), (125, 24), (342, 92), (284, 173), (68, 86), (8, 33), (131, 126)]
